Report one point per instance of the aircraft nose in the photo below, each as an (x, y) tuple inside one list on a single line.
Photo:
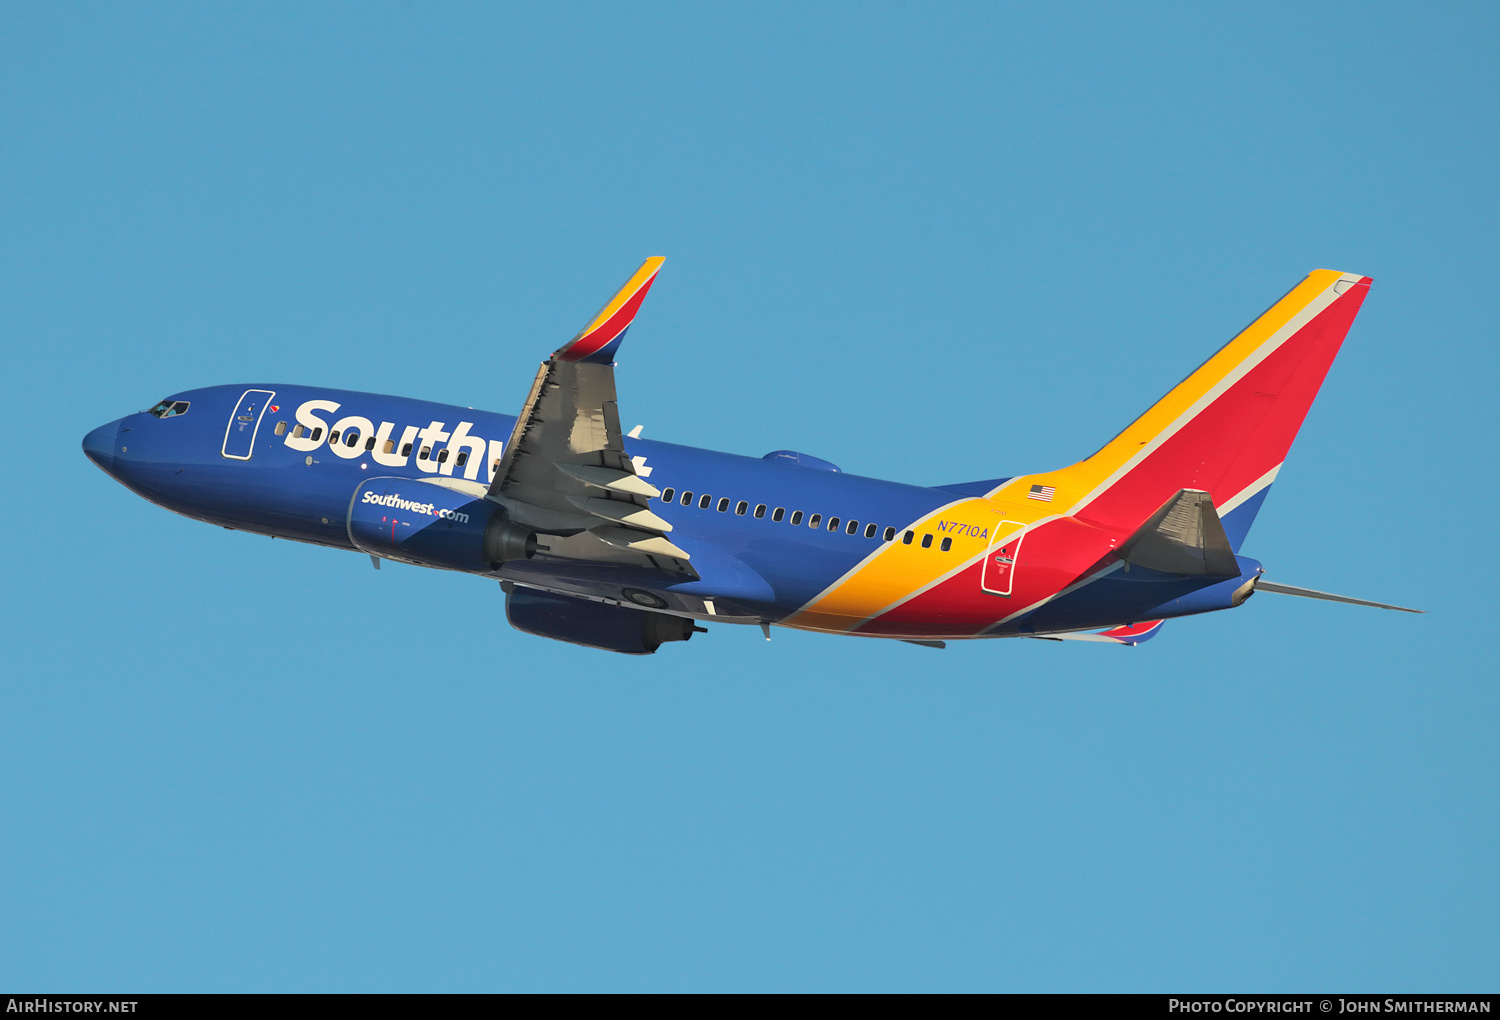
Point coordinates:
[(99, 445)]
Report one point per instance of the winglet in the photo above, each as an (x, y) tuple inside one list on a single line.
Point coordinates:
[(597, 342)]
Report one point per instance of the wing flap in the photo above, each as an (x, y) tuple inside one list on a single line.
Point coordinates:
[(622, 510), (638, 541), (617, 481)]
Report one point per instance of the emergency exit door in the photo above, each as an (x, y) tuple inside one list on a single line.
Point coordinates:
[(1002, 558)]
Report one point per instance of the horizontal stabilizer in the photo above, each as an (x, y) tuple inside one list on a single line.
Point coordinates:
[(1308, 593), (1185, 536)]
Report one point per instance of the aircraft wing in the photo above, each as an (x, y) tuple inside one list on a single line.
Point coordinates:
[(565, 471)]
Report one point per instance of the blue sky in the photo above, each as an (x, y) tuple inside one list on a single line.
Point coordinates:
[(932, 243)]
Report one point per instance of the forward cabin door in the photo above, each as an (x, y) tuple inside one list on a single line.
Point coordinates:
[(244, 423), (1002, 558)]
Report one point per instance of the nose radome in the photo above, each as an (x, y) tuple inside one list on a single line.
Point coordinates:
[(100, 445)]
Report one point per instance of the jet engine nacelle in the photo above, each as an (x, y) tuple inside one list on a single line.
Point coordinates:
[(595, 624), (422, 522)]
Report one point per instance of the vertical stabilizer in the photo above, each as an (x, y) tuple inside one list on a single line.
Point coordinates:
[(1225, 429)]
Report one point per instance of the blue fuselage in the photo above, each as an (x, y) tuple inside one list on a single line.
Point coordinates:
[(189, 463), (766, 536)]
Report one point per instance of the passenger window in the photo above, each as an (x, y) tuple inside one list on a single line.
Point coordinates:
[(351, 437), (389, 447), (723, 504), (463, 458), (442, 456), (851, 527), (778, 514), (870, 530), (405, 450), (740, 508), (833, 524), (370, 444), (666, 497), (906, 538), (281, 428), (926, 541), (890, 534), (425, 451), (298, 432), (796, 516), (687, 499), (947, 544), (760, 510), (814, 520), (705, 502), (333, 437), (317, 433)]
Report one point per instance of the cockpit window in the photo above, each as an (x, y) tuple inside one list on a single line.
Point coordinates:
[(169, 408)]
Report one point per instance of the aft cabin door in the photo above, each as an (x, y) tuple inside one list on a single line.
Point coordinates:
[(1000, 560), (244, 423)]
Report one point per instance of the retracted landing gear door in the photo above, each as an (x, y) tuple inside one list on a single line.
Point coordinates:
[(244, 422)]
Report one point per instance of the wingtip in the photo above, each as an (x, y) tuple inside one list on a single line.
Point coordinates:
[(598, 341)]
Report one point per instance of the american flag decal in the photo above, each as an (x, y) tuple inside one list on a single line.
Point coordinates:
[(1042, 492)]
